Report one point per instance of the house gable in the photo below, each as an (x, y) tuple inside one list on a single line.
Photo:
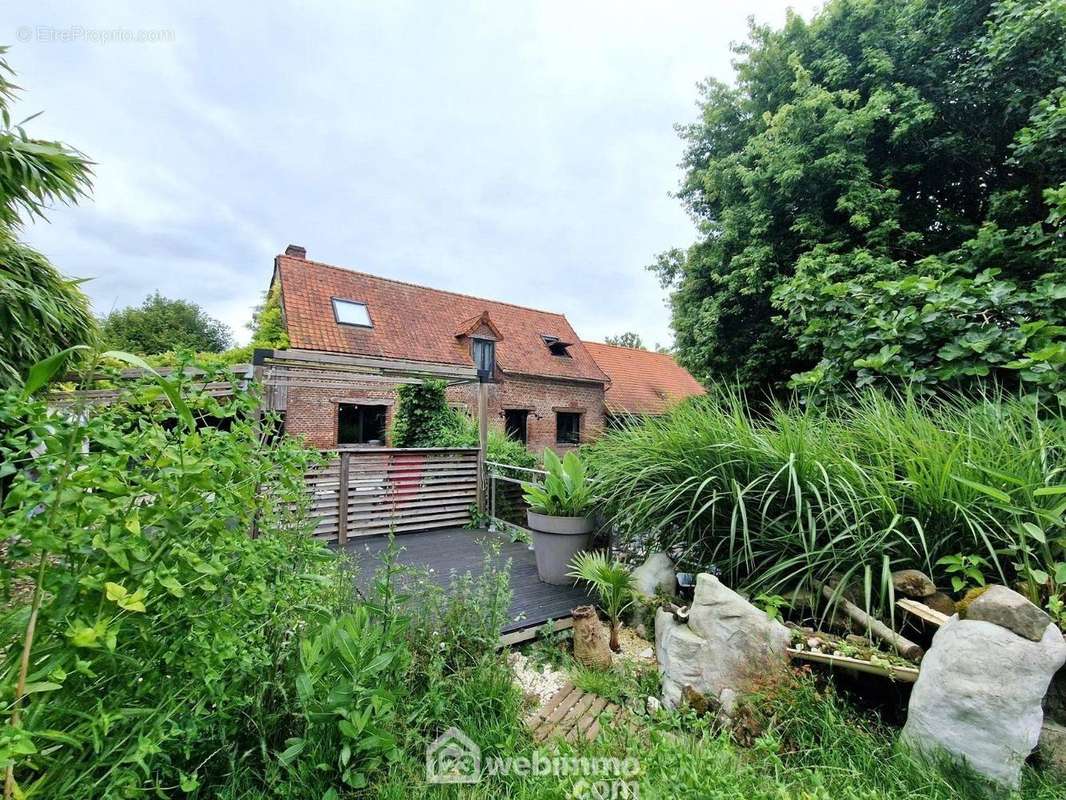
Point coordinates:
[(480, 327)]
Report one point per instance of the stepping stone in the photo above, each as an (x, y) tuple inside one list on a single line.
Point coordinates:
[(571, 713)]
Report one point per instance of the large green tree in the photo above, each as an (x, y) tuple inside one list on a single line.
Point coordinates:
[(879, 199), (41, 312), (160, 325)]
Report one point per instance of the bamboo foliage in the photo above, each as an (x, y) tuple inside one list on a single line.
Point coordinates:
[(41, 312)]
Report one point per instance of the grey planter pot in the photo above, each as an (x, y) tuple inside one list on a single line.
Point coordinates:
[(556, 540)]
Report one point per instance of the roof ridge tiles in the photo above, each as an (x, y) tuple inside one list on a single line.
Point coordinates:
[(413, 285), (624, 347)]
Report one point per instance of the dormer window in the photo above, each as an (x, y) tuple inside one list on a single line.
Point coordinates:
[(556, 346), (484, 354), (482, 335), (351, 312)]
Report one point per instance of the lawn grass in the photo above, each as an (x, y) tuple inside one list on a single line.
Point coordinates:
[(798, 739), (814, 746)]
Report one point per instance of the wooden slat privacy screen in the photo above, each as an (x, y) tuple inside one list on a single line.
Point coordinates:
[(385, 489)]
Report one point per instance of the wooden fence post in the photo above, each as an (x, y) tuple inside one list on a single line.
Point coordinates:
[(492, 497), (342, 500), (483, 440)]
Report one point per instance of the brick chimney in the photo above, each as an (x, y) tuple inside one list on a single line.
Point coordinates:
[(296, 251)]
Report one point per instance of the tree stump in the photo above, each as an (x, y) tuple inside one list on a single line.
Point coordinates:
[(591, 648)]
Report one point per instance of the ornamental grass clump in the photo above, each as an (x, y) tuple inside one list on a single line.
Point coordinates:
[(794, 497)]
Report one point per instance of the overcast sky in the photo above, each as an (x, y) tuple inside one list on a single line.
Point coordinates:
[(518, 151)]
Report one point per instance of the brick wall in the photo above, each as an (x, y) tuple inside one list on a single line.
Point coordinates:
[(541, 397), (312, 413)]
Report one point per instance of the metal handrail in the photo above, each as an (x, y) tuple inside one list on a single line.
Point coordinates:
[(494, 476), (514, 466)]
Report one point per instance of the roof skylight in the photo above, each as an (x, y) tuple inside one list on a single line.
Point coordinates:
[(556, 346), (350, 312)]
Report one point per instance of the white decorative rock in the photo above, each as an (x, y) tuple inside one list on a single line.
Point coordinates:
[(726, 644), (978, 696), (680, 655), (654, 574)]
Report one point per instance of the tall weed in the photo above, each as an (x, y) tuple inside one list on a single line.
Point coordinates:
[(164, 629)]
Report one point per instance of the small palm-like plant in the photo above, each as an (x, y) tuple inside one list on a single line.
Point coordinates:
[(613, 583)]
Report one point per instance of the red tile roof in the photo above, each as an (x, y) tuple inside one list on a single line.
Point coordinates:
[(642, 381), (420, 324)]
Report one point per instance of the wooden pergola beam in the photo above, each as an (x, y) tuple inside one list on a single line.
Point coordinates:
[(314, 359)]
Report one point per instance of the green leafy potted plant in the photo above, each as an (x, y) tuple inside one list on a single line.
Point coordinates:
[(558, 516)]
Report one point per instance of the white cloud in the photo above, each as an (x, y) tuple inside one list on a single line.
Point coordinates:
[(521, 151)]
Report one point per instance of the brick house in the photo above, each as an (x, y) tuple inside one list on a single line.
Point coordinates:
[(544, 387)]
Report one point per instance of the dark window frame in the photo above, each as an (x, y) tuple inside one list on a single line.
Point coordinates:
[(523, 413), (573, 437), (490, 345), (380, 408), (336, 317)]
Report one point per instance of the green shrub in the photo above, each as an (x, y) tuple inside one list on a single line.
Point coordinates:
[(163, 630), (501, 448), (268, 324), (933, 330), (458, 623), (457, 674), (799, 495), (504, 450), (351, 674), (423, 417)]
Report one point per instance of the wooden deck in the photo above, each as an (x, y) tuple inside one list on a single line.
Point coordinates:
[(460, 550)]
